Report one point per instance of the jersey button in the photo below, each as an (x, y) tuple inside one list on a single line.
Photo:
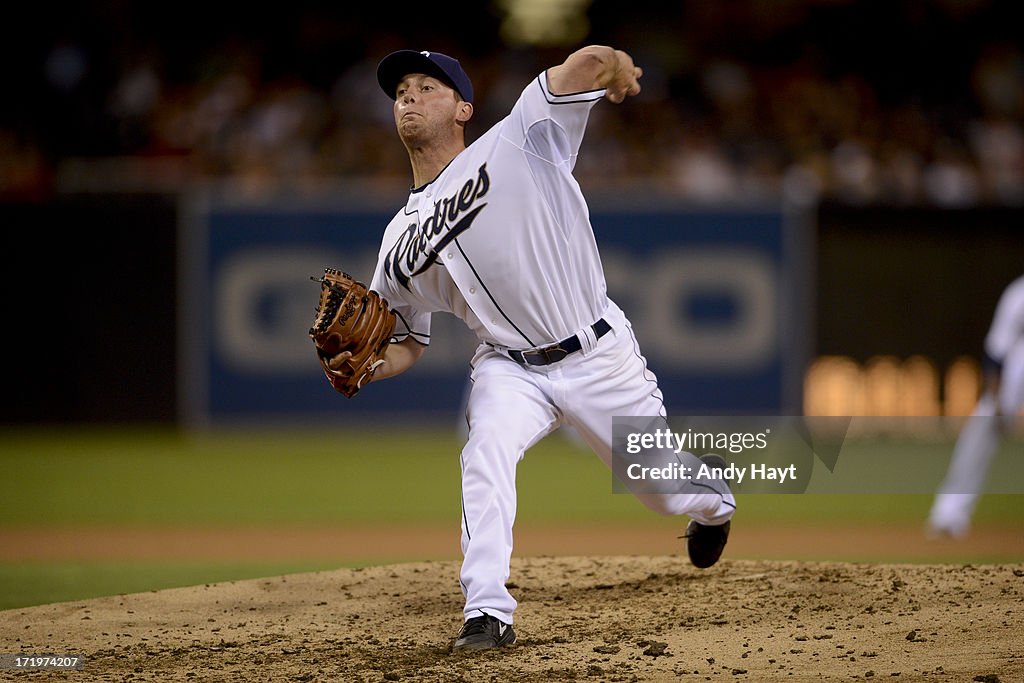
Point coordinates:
[(451, 255), (472, 290)]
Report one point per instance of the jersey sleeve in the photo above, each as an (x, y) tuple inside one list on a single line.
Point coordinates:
[(550, 126), (410, 321)]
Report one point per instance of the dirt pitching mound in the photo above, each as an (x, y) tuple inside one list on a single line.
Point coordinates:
[(585, 618)]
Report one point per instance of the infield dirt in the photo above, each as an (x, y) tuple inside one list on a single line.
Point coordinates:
[(580, 618)]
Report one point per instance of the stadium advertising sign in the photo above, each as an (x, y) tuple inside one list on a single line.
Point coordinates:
[(718, 299)]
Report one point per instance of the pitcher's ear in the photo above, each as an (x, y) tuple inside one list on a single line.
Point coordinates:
[(465, 112)]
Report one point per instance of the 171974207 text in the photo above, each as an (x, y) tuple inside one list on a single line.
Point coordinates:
[(39, 662)]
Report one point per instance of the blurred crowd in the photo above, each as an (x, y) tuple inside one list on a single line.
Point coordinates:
[(863, 103)]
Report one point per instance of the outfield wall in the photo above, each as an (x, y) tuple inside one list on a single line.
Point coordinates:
[(719, 298), (896, 281)]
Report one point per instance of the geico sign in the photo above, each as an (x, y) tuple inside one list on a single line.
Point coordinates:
[(658, 291), (263, 303)]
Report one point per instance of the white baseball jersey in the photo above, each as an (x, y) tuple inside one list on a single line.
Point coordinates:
[(520, 274), (502, 239), (1007, 328), (1005, 345)]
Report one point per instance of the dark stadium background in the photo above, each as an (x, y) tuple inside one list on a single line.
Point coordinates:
[(90, 177)]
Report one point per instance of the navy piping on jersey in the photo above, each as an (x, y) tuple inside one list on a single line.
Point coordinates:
[(414, 335), (415, 190), (491, 296), (409, 332), (580, 96)]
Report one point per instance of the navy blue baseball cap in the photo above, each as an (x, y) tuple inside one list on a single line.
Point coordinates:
[(397, 65)]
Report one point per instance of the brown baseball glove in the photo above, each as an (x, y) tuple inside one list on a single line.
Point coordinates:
[(350, 318)]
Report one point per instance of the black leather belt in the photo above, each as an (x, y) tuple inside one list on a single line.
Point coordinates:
[(553, 353)]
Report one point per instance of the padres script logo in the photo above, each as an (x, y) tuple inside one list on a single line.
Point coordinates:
[(416, 249)]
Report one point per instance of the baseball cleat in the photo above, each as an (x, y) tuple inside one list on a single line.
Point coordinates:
[(704, 542), (484, 633)]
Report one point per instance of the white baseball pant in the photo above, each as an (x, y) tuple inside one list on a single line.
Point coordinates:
[(512, 407)]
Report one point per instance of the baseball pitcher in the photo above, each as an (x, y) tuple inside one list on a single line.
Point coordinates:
[(498, 233)]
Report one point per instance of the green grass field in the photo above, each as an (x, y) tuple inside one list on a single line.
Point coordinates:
[(80, 478)]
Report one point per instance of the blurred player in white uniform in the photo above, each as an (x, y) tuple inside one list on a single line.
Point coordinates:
[(499, 234), (1001, 403)]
